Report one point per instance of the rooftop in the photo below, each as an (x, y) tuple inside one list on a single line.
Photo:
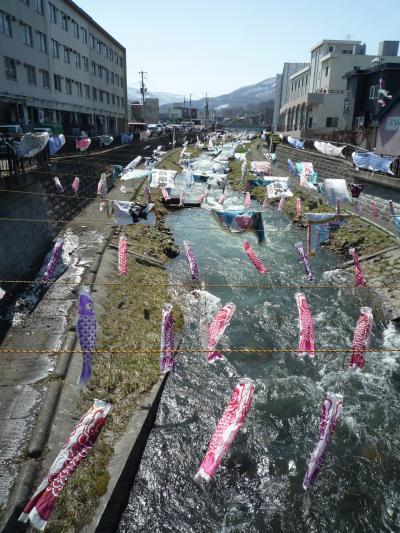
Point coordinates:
[(375, 68), (333, 41)]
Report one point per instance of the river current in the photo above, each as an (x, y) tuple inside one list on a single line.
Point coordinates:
[(258, 487)]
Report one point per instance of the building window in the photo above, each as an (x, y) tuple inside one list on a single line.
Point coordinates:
[(45, 79), (98, 46), (39, 7), (331, 49), (112, 78), (68, 86), (122, 102), (94, 93), (93, 64), (101, 96), (75, 26), (326, 71), (77, 59), (87, 91), (106, 51), (85, 63), (107, 72), (332, 122), (121, 81), (57, 82), (113, 99), (116, 57), (55, 48), (373, 92), (27, 35), (92, 41), (79, 88), (26, 2), (11, 69), (348, 52), (5, 24), (121, 61), (52, 13), (100, 71), (64, 21), (31, 74), (67, 57), (117, 101), (117, 80), (359, 122), (42, 42), (108, 98), (84, 35)]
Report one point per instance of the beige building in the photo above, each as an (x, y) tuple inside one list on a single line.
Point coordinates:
[(318, 91), (59, 67)]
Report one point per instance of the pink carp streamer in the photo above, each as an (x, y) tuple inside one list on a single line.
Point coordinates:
[(57, 183), (299, 211), (102, 187), (76, 448), (358, 206), (123, 256), (374, 210), (331, 410), (147, 194), (391, 208), (216, 329), (247, 201), (75, 185), (361, 339), (281, 204), (54, 261), (254, 258), (306, 322), (228, 427), (306, 261), (360, 280), (193, 267), (182, 199), (165, 194), (167, 358), (203, 196), (222, 198)]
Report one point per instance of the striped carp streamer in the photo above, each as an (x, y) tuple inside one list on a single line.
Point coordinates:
[(281, 204), (75, 185), (193, 266), (86, 331), (306, 261), (147, 194), (165, 194), (77, 446), (247, 201), (182, 199), (299, 211), (102, 187), (167, 358), (331, 410), (227, 429), (58, 186), (123, 256), (361, 339), (306, 323), (358, 206), (262, 269), (360, 280), (203, 196), (374, 209), (54, 260), (216, 329), (244, 169)]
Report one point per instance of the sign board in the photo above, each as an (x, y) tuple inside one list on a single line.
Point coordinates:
[(393, 123)]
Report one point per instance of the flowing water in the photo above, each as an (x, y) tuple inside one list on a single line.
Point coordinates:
[(258, 487)]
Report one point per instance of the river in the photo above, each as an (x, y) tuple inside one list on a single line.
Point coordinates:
[(258, 487)]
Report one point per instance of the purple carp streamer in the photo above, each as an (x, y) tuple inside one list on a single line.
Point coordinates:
[(306, 322), (227, 428), (361, 339), (330, 413), (306, 261), (193, 266), (58, 186), (86, 331), (167, 357), (76, 448), (360, 280), (216, 329), (54, 260)]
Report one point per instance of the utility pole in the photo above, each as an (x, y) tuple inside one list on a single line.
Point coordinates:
[(143, 89), (206, 109), (190, 106)]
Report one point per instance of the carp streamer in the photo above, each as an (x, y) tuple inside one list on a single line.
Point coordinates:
[(86, 331), (361, 339), (360, 280), (193, 267), (262, 269), (54, 261), (167, 359), (123, 256), (216, 329), (306, 261), (306, 322)]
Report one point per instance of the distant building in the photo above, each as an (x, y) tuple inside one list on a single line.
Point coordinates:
[(388, 128), (317, 93), (282, 89), (60, 68), (149, 113)]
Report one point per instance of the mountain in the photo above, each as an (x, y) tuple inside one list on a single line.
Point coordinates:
[(164, 98)]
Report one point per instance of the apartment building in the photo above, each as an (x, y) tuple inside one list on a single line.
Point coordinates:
[(317, 92), (282, 90), (59, 68)]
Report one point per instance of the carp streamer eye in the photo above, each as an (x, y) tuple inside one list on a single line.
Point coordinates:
[(89, 306)]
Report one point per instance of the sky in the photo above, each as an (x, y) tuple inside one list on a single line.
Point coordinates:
[(187, 46)]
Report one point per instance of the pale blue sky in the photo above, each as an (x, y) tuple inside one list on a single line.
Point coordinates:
[(220, 45)]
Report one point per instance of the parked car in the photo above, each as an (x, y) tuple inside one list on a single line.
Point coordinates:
[(13, 131), (42, 130)]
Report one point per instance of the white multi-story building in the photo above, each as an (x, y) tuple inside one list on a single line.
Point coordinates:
[(282, 89), (318, 91), (59, 67)]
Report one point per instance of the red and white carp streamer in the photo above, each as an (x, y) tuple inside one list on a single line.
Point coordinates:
[(281, 204), (75, 185), (167, 358), (299, 211), (182, 199), (247, 201), (306, 323), (254, 258), (228, 427), (193, 267), (102, 187), (361, 339), (374, 209), (57, 183), (360, 280), (165, 194), (123, 256), (147, 194), (331, 410), (76, 448), (216, 329)]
